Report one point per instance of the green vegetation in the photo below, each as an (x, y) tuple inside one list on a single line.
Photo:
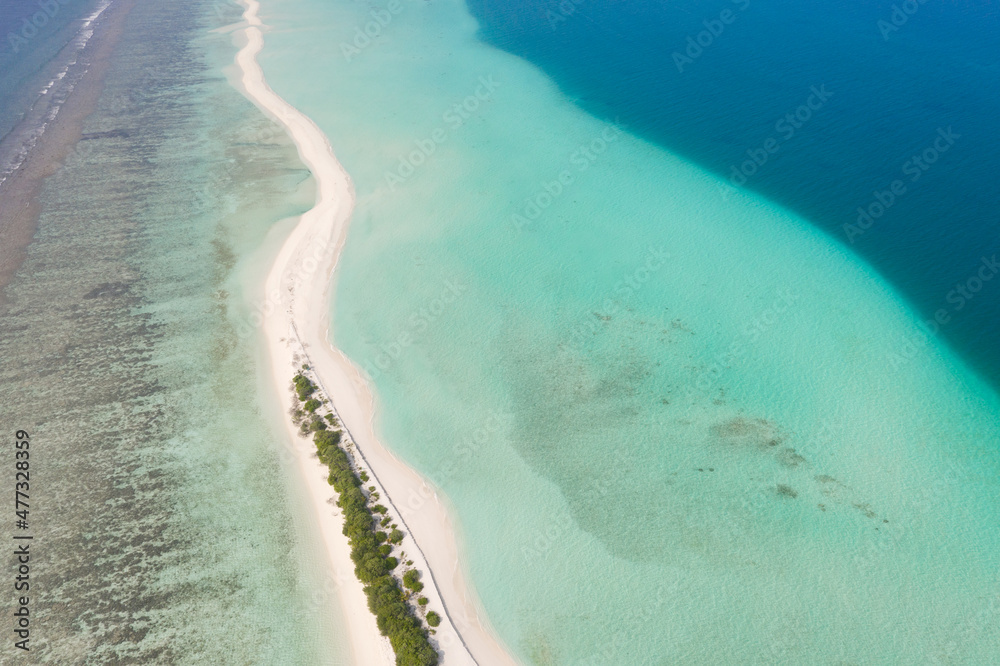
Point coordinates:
[(411, 580), (385, 549), (422, 601), (409, 639), (364, 477), (312, 404), (395, 536), (378, 508), (326, 439), (331, 418), (303, 387), (433, 618), (386, 521), (313, 424)]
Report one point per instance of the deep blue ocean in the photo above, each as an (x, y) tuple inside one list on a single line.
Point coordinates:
[(824, 108)]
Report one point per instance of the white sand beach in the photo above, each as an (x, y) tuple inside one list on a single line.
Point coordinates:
[(296, 328)]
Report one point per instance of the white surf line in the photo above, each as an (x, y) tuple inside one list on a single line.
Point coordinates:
[(300, 282)]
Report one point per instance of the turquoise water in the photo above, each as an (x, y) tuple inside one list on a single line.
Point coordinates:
[(167, 530), (677, 424)]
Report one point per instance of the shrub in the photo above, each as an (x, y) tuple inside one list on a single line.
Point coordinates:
[(316, 425), (433, 619), (385, 549), (380, 537), (391, 563), (326, 443), (378, 508), (386, 521), (395, 536), (332, 419), (422, 601), (411, 580), (303, 387), (312, 404), (364, 476)]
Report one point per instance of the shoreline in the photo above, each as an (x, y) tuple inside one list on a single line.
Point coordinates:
[(296, 327)]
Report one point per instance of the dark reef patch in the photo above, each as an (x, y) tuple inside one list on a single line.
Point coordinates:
[(790, 458), (786, 491)]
